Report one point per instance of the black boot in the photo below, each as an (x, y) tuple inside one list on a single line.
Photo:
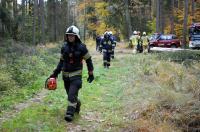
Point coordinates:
[(78, 106), (70, 113), (108, 65)]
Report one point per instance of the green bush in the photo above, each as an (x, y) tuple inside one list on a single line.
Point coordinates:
[(25, 70), (180, 56), (6, 81), (22, 65)]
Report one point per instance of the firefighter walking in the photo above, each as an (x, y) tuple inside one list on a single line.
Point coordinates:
[(145, 41), (112, 37), (134, 40), (72, 54), (106, 46)]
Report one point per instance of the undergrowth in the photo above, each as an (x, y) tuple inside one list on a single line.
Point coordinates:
[(21, 67)]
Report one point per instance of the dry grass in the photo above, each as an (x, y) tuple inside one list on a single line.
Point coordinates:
[(165, 95)]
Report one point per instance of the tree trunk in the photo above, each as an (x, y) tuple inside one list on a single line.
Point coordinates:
[(15, 24), (185, 22), (54, 21), (157, 15), (23, 19), (193, 10), (14, 9), (172, 17), (34, 20), (151, 9), (42, 20), (128, 20)]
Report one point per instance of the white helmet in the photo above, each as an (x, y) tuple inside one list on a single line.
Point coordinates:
[(73, 30), (106, 32), (110, 33), (135, 32), (144, 33)]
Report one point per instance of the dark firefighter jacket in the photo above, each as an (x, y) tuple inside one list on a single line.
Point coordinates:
[(107, 45), (71, 60)]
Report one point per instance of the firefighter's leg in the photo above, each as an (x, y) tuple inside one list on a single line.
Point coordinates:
[(75, 85), (78, 107), (112, 54), (105, 59), (66, 84), (138, 48), (141, 48), (144, 48), (108, 59), (97, 47)]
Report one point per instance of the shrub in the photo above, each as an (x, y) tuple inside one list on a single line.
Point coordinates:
[(180, 56), (6, 81)]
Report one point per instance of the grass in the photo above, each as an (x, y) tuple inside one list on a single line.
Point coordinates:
[(15, 96), (138, 93), (23, 72)]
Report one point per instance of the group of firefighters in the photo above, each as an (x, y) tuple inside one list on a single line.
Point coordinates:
[(70, 63), (106, 44), (139, 42)]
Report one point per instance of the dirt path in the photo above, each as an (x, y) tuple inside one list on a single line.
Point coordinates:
[(38, 98)]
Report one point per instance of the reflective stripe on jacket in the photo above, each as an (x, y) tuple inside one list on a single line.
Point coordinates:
[(71, 74)]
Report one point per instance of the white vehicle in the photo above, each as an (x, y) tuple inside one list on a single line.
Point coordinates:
[(194, 36)]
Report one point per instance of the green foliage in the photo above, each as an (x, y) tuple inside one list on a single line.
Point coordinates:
[(6, 19), (181, 56), (6, 80), (152, 26), (25, 70), (23, 65)]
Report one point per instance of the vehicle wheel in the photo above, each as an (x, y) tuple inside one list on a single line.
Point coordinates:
[(173, 46)]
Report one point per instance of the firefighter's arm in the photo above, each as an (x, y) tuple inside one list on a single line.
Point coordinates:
[(113, 45), (101, 46), (87, 57)]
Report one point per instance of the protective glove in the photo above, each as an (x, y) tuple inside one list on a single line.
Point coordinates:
[(53, 75), (90, 78)]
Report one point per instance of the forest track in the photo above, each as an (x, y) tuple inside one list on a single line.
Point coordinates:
[(38, 98)]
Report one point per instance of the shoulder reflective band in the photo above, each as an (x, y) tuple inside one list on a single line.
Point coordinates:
[(86, 56), (71, 74)]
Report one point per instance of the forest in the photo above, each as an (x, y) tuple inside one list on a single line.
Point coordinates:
[(42, 21), (144, 92)]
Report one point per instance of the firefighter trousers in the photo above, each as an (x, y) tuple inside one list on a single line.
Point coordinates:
[(72, 88), (106, 59)]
